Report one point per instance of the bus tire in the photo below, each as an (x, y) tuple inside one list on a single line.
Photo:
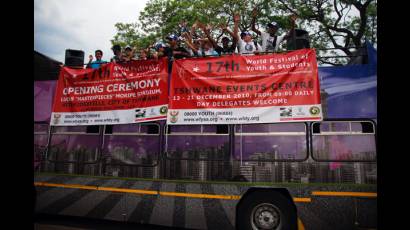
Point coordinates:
[(266, 210)]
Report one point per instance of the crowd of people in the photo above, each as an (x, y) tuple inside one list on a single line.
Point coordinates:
[(198, 41)]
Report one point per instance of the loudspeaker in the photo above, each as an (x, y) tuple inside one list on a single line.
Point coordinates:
[(299, 40), (74, 58)]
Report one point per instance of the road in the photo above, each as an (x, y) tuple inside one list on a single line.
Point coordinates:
[(46, 222)]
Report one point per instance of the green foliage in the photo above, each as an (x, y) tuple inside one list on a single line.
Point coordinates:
[(330, 23)]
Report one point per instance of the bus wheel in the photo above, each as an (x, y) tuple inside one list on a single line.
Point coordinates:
[(266, 210)]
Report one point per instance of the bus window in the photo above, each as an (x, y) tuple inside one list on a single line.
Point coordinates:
[(40, 128), (71, 146), (108, 129), (271, 128), (126, 128), (197, 152), (217, 129), (222, 129), (40, 143), (334, 126), (132, 144), (316, 128), (149, 128), (344, 141), (270, 142), (197, 142), (93, 129), (367, 127)]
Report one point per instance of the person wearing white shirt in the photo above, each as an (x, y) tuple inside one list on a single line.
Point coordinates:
[(271, 41), (246, 44)]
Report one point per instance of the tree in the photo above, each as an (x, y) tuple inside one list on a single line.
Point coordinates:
[(337, 24), (129, 34)]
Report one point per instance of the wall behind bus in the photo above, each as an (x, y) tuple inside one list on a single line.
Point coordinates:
[(43, 100)]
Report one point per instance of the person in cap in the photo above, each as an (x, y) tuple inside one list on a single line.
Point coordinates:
[(246, 44), (157, 50), (97, 63), (208, 48), (271, 41), (159, 47), (200, 47), (225, 48), (175, 51), (129, 54), (194, 45), (143, 54), (116, 49)]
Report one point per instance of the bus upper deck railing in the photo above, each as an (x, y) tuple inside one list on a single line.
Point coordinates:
[(269, 52)]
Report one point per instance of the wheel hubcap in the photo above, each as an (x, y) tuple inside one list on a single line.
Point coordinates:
[(265, 216)]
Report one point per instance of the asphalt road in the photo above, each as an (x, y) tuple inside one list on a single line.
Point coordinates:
[(45, 222)]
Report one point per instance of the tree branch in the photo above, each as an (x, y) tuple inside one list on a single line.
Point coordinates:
[(332, 39), (328, 62), (363, 18), (338, 13), (288, 8)]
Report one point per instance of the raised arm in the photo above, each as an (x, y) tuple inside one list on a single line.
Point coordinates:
[(254, 15), (188, 41), (236, 20), (292, 28), (184, 53), (224, 28), (133, 52), (90, 59), (193, 28), (207, 32)]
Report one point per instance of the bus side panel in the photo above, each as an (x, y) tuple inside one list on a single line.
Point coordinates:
[(196, 205), (342, 208), (338, 213), (186, 205), (79, 197)]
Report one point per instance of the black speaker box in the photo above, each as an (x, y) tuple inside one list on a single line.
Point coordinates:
[(300, 40), (74, 58)]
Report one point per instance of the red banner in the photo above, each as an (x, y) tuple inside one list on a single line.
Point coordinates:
[(112, 94), (245, 89)]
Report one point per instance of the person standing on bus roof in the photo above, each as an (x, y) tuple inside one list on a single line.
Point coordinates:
[(175, 50), (270, 41), (129, 54), (143, 54), (97, 63), (116, 49), (246, 43), (225, 49), (159, 50)]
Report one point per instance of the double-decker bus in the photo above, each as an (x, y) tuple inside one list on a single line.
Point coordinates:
[(297, 175)]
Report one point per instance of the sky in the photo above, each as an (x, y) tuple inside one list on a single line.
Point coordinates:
[(85, 25)]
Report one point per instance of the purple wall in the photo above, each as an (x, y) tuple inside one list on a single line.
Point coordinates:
[(43, 99)]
